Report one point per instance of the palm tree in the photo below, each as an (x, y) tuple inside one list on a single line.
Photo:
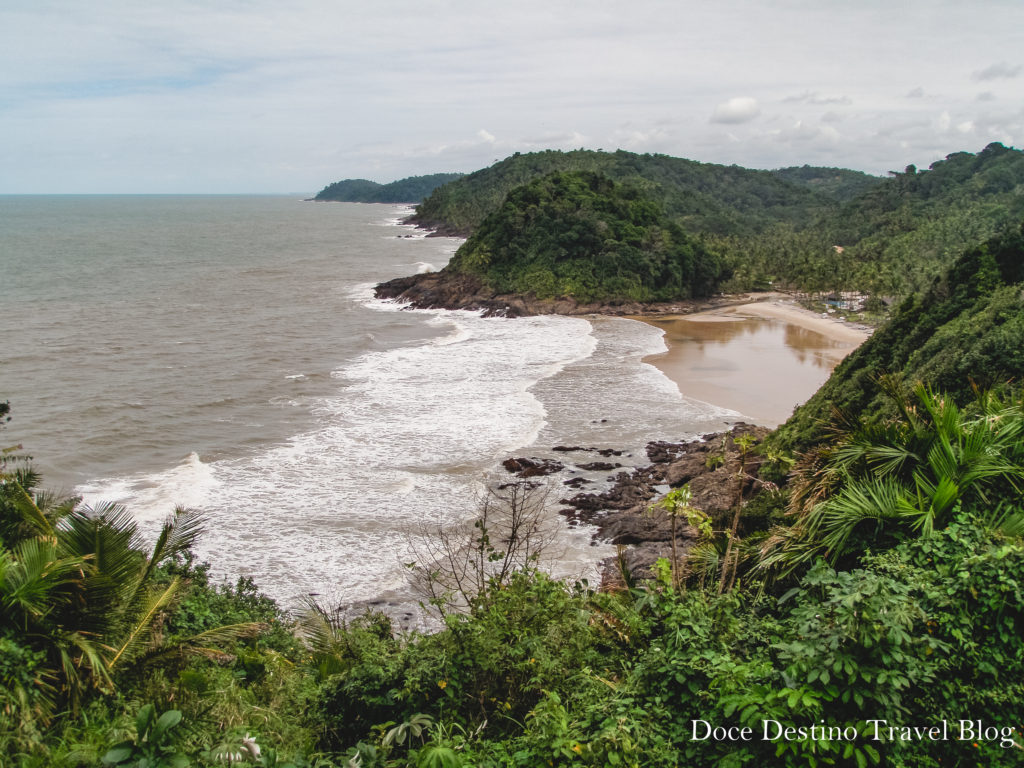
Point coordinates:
[(906, 476), (744, 443), (78, 590), (677, 504)]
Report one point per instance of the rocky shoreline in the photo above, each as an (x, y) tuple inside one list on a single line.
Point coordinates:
[(622, 514), (444, 290), (436, 228)]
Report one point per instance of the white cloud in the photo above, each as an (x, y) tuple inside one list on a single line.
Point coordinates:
[(813, 97), (737, 110), (999, 71), (188, 96), (652, 138)]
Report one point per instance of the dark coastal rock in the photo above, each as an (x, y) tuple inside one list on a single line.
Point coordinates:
[(630, 490), (623, 513), (436, 228), (638, 562), (714, 493), (661, 452), (458, 290), (606, 452), (577, 482), (643, 524), (599, 466), (524, 468), (685, 469)]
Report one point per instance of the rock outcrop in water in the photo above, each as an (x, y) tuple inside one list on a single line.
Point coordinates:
[(622, 514)]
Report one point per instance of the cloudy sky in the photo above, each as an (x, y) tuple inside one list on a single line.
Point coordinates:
[(226, 96)]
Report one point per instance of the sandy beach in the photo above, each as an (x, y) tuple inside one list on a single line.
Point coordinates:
[(761, 359)]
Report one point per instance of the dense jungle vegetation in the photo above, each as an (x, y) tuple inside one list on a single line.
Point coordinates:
[(580, 234), (817, 230), (892, 591), (965, 331), (409, 190), (872, 582), (701, 197)]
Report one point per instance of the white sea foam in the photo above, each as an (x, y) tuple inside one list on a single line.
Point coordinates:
[(153, 497), (407, 439), (361, 292)]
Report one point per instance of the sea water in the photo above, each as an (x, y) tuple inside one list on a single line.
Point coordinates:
[(227, 354)]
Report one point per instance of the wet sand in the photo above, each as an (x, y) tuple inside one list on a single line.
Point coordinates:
[(760, 359)]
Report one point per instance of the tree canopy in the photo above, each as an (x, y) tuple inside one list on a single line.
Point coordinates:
[(804, 228), (409, 190), (966, 330), (703, 197), (581, 235)]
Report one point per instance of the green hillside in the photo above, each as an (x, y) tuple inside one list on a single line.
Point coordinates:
[(803, 228), (902, 233), (968, 328), (582, 235), (408, 190), (838, 184), (703, 197)]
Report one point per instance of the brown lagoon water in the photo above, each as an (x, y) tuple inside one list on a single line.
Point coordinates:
[(760, 367)]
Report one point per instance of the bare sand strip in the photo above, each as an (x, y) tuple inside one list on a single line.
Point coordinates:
[(827, 326)]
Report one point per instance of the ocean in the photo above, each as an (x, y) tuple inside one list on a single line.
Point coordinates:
[(226, 354)]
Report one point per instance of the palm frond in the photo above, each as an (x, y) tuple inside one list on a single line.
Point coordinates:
[(31, 515), (32, 577), (177, 535), (82, 666), (108, 535), (703, 561), (142, 628), (227, 633), (1007, 519), (205, 643), (833, 521)]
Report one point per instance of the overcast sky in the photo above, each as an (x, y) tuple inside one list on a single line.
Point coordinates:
[(244, 96)]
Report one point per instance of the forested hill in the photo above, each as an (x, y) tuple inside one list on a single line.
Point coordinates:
[(838, 184), (803, 228), (900, 234), (583, 236), (409, 190), (967, 330), (701, 197)]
